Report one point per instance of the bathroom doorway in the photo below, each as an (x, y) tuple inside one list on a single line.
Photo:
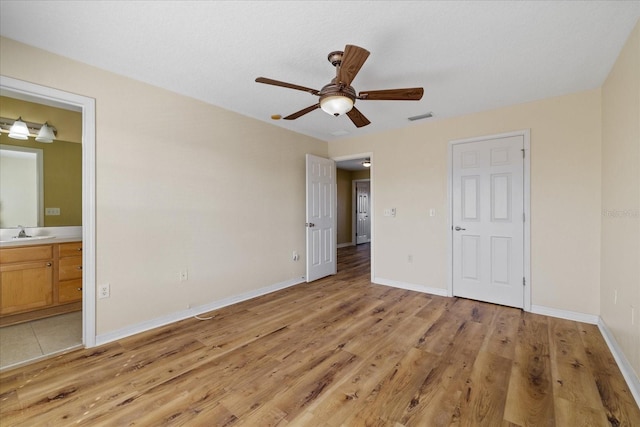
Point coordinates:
[(56, 333)]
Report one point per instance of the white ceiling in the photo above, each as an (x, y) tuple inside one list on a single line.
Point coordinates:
[(468, 55)]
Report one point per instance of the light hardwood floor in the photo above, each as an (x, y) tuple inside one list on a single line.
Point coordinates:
[(337, 352)]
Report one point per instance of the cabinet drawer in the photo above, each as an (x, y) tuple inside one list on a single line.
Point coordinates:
[(69, 249), (70, 268), (30, 253), (70, 291)]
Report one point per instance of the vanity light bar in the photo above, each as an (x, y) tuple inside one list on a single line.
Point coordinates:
[(34, 128)]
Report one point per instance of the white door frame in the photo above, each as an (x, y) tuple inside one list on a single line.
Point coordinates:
[(368, 155), (88, 108), (526, 134)]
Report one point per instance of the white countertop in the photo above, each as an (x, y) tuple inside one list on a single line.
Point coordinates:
[(54, 235), (51, 241)]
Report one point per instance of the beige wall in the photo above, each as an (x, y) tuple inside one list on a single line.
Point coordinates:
[(621, 200), (411, 176), (180, 185)]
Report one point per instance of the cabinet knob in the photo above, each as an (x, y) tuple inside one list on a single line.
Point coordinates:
[(79, 249), (79, 267), (80, 289), (48, 264)]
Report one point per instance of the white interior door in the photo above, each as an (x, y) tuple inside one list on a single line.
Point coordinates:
[(488, 220), (363, 219), (321, 217)]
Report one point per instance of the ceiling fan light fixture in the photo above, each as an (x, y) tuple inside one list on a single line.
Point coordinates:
[(336, 105), (19, 130), (366, 163)]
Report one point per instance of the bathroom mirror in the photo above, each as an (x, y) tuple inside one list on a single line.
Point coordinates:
[(50, 184), (22, 188)]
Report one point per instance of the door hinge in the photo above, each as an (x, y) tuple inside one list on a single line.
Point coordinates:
[(524, 282), (522, 149)]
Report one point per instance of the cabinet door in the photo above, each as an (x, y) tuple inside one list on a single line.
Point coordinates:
[(25, 286)]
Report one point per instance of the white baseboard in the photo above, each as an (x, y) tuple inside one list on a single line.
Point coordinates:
[(410, 286), (592, 319), (344, 245), (623, 363), (193, 311)]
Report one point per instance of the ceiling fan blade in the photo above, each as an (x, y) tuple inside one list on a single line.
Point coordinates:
[(409, 94), (352, 60), (287, 85), (357, 117), (302, 112)]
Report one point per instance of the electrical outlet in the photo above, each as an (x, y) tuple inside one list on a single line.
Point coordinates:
[(104, 291), (183, 275), (52, 211)]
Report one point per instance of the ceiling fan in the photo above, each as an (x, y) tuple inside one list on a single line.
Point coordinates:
[(339, 97)]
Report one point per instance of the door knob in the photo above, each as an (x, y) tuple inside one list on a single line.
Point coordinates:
[(310, 224), (459, 228)]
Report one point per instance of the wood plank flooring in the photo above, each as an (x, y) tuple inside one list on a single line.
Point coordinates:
[(337, 352)]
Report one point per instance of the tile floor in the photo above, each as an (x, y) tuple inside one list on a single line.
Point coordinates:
[(34, 340)]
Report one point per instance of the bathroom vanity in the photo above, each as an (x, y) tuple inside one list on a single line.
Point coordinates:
[(40, 279)]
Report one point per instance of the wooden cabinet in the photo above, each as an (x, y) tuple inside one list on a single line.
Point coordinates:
[(69, 272), (39, 281)]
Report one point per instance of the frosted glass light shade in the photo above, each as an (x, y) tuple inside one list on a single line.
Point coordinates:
[(336, 105), (19, 130), (45, 134)]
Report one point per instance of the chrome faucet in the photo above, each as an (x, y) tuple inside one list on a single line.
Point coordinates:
[(22, 233)]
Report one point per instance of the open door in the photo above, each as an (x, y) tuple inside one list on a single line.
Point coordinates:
[(321, 217)]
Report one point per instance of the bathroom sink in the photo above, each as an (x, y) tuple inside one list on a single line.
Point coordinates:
[(26, 239)]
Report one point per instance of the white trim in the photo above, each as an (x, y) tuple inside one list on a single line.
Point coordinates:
[(526, 134), (623, 363), (88, 107), (193, 311), (410, 286), (592, 319)]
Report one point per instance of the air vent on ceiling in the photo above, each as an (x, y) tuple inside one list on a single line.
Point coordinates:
[(421, 116)]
